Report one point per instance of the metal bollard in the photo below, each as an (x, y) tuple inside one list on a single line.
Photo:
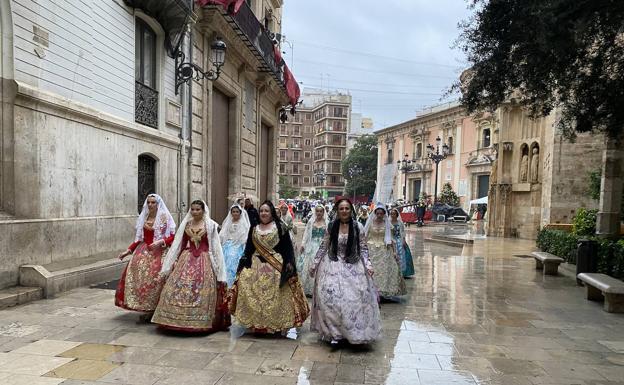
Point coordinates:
[(586, 257)]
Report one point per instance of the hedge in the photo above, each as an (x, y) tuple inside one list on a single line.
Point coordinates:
[(564, 245)]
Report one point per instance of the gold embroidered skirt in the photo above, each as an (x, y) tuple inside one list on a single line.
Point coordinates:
[(192, 300), (262, 305)]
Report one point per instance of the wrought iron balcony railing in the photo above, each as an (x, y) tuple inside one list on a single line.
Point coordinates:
[(145, 105), (257, 39)]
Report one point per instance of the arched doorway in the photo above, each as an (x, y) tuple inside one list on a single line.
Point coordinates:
[(146, 178)]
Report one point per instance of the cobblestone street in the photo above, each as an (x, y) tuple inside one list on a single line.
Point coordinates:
[(477, 316)]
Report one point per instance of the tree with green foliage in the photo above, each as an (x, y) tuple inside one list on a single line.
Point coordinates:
[(359, 167), (286, 191), (552, 54), (448, 196)]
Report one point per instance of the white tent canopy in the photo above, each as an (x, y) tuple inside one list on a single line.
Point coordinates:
[(479, 201)]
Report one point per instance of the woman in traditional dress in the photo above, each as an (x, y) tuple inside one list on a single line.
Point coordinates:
[(287, 219), (382, 253), (344, 304), (140, 284), (312, 237), (193, 298), (267, 296), (233, 234), (363, 217), (400, 243)]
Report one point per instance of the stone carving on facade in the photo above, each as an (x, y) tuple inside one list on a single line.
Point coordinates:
[(507, 146), (535, 165), (505, 191), (524, 168), (493, 172)]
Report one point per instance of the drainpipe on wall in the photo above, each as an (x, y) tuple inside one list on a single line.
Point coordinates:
[(183, 150)]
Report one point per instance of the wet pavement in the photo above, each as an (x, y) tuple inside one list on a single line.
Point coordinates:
[(475, 315)]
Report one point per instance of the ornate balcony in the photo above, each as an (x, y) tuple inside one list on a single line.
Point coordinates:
[(256, 38)]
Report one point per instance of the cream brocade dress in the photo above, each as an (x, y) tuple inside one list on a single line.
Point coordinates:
[(387, 268)]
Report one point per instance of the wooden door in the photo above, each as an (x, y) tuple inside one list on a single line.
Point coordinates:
[(220, 155), (264, 151)]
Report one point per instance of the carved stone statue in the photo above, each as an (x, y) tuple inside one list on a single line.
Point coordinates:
[(494, 172), (524, 168), (535, 166)]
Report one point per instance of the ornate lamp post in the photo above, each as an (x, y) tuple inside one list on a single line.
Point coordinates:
[(406, 165), (437, 154), (185, 71), (320, 176), (354, 171)]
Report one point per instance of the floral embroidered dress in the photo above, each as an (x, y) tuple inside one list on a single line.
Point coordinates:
[(267, 297), (140, 284), (386, 265), (193, 300), (344, 304), (306, 258), (403, 250)]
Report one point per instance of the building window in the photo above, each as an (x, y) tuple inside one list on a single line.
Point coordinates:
[(308, 117), (306, 167), (306, 154), (282, 155), (282, 141), (146, 178), (308, 142), (308, 129), (283, 129), (296, 156), (450, 145), (306, 180), (336, 153), (282, 168), (145, 66), (486, 137), (297, 130), (296, 143), (295, 169), (295, 180), (418, 154), (390, 158)]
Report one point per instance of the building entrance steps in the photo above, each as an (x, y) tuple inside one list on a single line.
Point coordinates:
[(18, 295), (65, 275)]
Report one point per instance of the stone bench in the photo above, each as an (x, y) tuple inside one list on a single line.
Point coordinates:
[(601, 285), (547, 262)]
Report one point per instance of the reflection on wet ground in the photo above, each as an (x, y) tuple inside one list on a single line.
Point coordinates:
[(474, 315)]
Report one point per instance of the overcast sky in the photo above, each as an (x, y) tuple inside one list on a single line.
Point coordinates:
[(394, 56)]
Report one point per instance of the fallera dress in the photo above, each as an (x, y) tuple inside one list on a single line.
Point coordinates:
[(257, 299), (306, 258), (386, 265), (140, 284), (193, 300), (232, 251), (345, 304), (403, 250)]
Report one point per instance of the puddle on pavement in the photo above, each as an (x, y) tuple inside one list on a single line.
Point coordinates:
[(110, 285)]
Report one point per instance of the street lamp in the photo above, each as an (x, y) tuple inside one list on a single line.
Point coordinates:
[(437, 155), (354, 171), (185, 71), (406, 165), (320, 176)]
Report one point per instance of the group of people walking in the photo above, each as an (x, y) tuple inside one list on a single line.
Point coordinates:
[(196, 278)]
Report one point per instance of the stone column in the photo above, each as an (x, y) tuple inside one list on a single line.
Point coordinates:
[(608, 225)]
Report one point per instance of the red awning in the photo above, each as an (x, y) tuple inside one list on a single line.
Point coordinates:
[(292, 88), (225, 3)]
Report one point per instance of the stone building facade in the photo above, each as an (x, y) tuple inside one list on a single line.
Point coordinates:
[(540, 177), (467, 167), (531, 175), (313, 144), (91, 120)]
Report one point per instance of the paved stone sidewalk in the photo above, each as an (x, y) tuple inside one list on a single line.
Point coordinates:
[(477, 316)]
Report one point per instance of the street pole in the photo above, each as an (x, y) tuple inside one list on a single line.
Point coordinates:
[(437, 154), (435, 197)]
